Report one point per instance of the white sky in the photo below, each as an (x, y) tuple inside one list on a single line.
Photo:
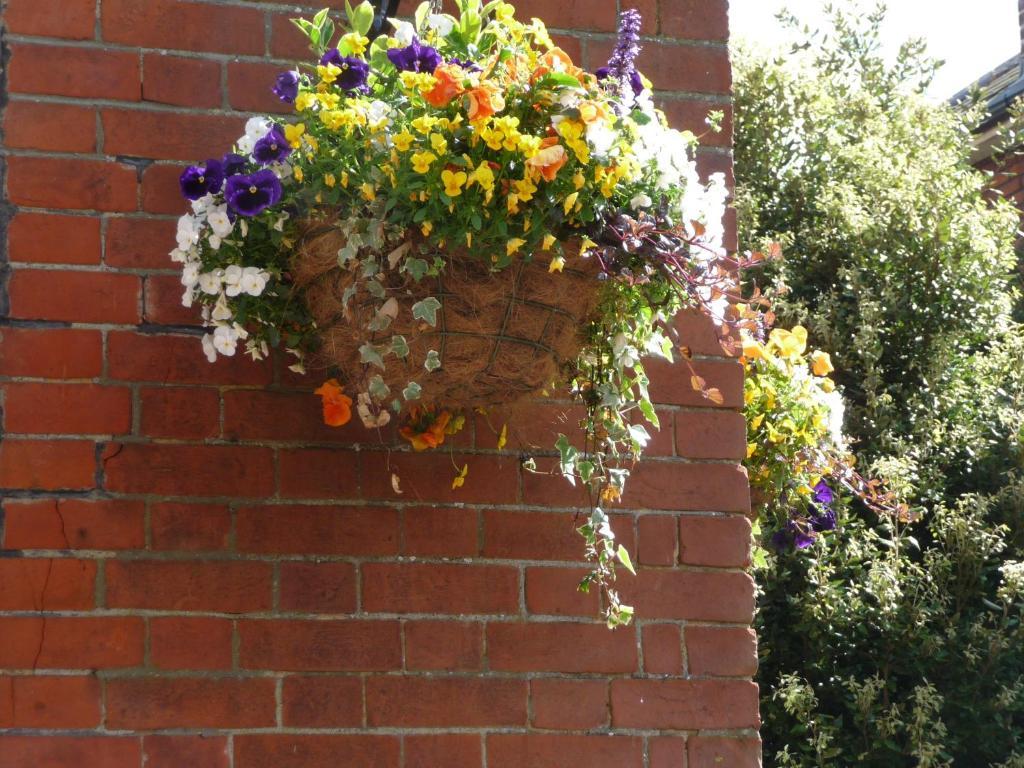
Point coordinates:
[(972, 36)]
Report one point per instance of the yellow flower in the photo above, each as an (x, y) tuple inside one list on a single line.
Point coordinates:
[(297, 173), (356, 43), (484, 176), (529, 145), (330, 180), (344, 179), (752, 348), (328, 72), (513, 203), (421, 161), (304, 101), (557, 264), (453, 182), (294, 134), (586, 245), (579, 181), (504, 12), (821, 363), (460, 479), (513, 245), (426, 228), (403, 141), (569, 202), (368, 190), (549, 240), (789, 343), (424, 123), (525, 188), (438, 142)]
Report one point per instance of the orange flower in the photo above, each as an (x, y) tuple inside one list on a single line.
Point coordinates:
[(550, 159), (556, 60), (337, 405), (449, 85), (484, 101), (425, 429)]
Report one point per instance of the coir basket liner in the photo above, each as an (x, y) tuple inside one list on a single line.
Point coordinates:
[(501, 335)]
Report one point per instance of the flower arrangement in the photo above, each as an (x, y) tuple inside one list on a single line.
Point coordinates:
[(443, 169)]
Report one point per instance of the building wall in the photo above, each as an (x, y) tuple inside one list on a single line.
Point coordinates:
[(195, 571)]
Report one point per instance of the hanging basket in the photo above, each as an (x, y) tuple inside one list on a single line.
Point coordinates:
[(501, 336)]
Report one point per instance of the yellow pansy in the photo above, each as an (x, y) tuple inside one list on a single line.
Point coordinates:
[(549, 240), (328, 100), (439, 143), (513, 245), (304, 101), (789, 343), (330, 180), (294, 134), (821, 363), (426, 228), (579, 180), (421, 161), (356, 43), (586, 245), (453, 182), (504, 12), (368, 190), (752, 348), (424, 123), (525, 189), (403, 141), (570, 202), (297, 173), (484, 176), (513, 203), (557, 264), (328, 72), (529, 146), (344, 179)]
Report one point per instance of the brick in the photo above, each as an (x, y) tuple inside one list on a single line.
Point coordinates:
[(146, 704), (179, 642), (691, 68), (161, 190), (516, 535), (708, 20), (45, 238), (285, 416), (47, 465), (537, 750), (440, 588), (663, 649), (288, 751), (303, 646), (58, 642), (84, 297), (443, 645), (162, 302), (222, 586), (569, 705), (40, 701), (715, 751), (31, 584), (56, 127), (714, 541), (165, 359), (684, 705), (249, 87), (84, 73), (183, 26), (54, 353), (84, 184), (71, 19), (180, 412), (656, 540), (167, 136), (697, 333), (695, 595), (323, 702), (84, 409), (139, 243), (318, 587), (286, 42), (670, 382), (711, 435), (721, 651), (572, 14), (203, 470), (439, 532), (686, 486), (555, 592), (669, 752), (53, 751), (435, 702), (193, 83), (550, 647), (452, 750), (691, 115), (318, 530), (75, 524), (319, 474), (491, 479), (189, 527), (176, 751)]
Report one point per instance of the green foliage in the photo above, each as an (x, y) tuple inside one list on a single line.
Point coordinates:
[(894, 641)]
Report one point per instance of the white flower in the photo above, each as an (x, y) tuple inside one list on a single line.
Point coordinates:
[(253, 281), (189, 230), (225, 340), (232, 280), (255, 129), (836, 412), (188, 297), (221, 311), (179, 256), (601, 137), (404, 31), (219, 221), (442, 23), (190, 275), (378, 114), (214, 242), (200, 205), (640, 202), (208, 348), (209, 282)]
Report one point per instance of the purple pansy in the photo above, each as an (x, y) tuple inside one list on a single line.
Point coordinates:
[(823, 495), (272, 148), (233, 164), (286, 88), (826, 521), (469, 66), (635, 81), (415, 57), (354, 72), (200, 180), (253, 194)]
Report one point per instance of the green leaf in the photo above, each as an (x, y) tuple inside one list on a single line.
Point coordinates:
[(416, 267), (433, 361), (377, 388), (559, 80), (412, 391), (647, 409), (400, 346), (362, 17), (369, 355), (426, 310), (623, 554)]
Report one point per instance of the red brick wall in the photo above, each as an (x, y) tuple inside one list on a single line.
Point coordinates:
[(194, 571)]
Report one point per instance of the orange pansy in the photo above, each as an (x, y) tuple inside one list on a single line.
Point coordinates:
[(425, 429), (449, 85), (550, 159), (337, 405), (484, 101)]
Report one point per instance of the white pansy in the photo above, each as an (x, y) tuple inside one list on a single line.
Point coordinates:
[(255, 129), (233, 280), (601, 137), (441, 23), (221, 312), (836, 413), (208, 348), (209, 282), (281, 170), (404, 31), (179, 256), (190, 275), (225, 340), (188, 297), (570, 98), (640, 202), (189, 229), (378, 114), (253, 281), (219, 221), (202, 204), (214, 242)]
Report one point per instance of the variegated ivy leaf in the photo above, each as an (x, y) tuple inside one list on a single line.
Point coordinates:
[(567, 458), (426, 310), (400, 346), (346, 297), (369, 355), (639, 435), (412, 392), (370, 266), (377, 388), (416, 267), (380, 322), (433, 361), (376, 289)]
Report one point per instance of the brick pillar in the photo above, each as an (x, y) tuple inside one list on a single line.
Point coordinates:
[(195, 571)]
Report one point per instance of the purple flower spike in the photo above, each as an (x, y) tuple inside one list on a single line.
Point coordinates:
[(287, 87), (272, 148), (253, 194), (635, 81), (621, 68), (200, 180), (354, 72), (415, 58), (233, 164)]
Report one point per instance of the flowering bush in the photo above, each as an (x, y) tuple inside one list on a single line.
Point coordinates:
[(474, 135)]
